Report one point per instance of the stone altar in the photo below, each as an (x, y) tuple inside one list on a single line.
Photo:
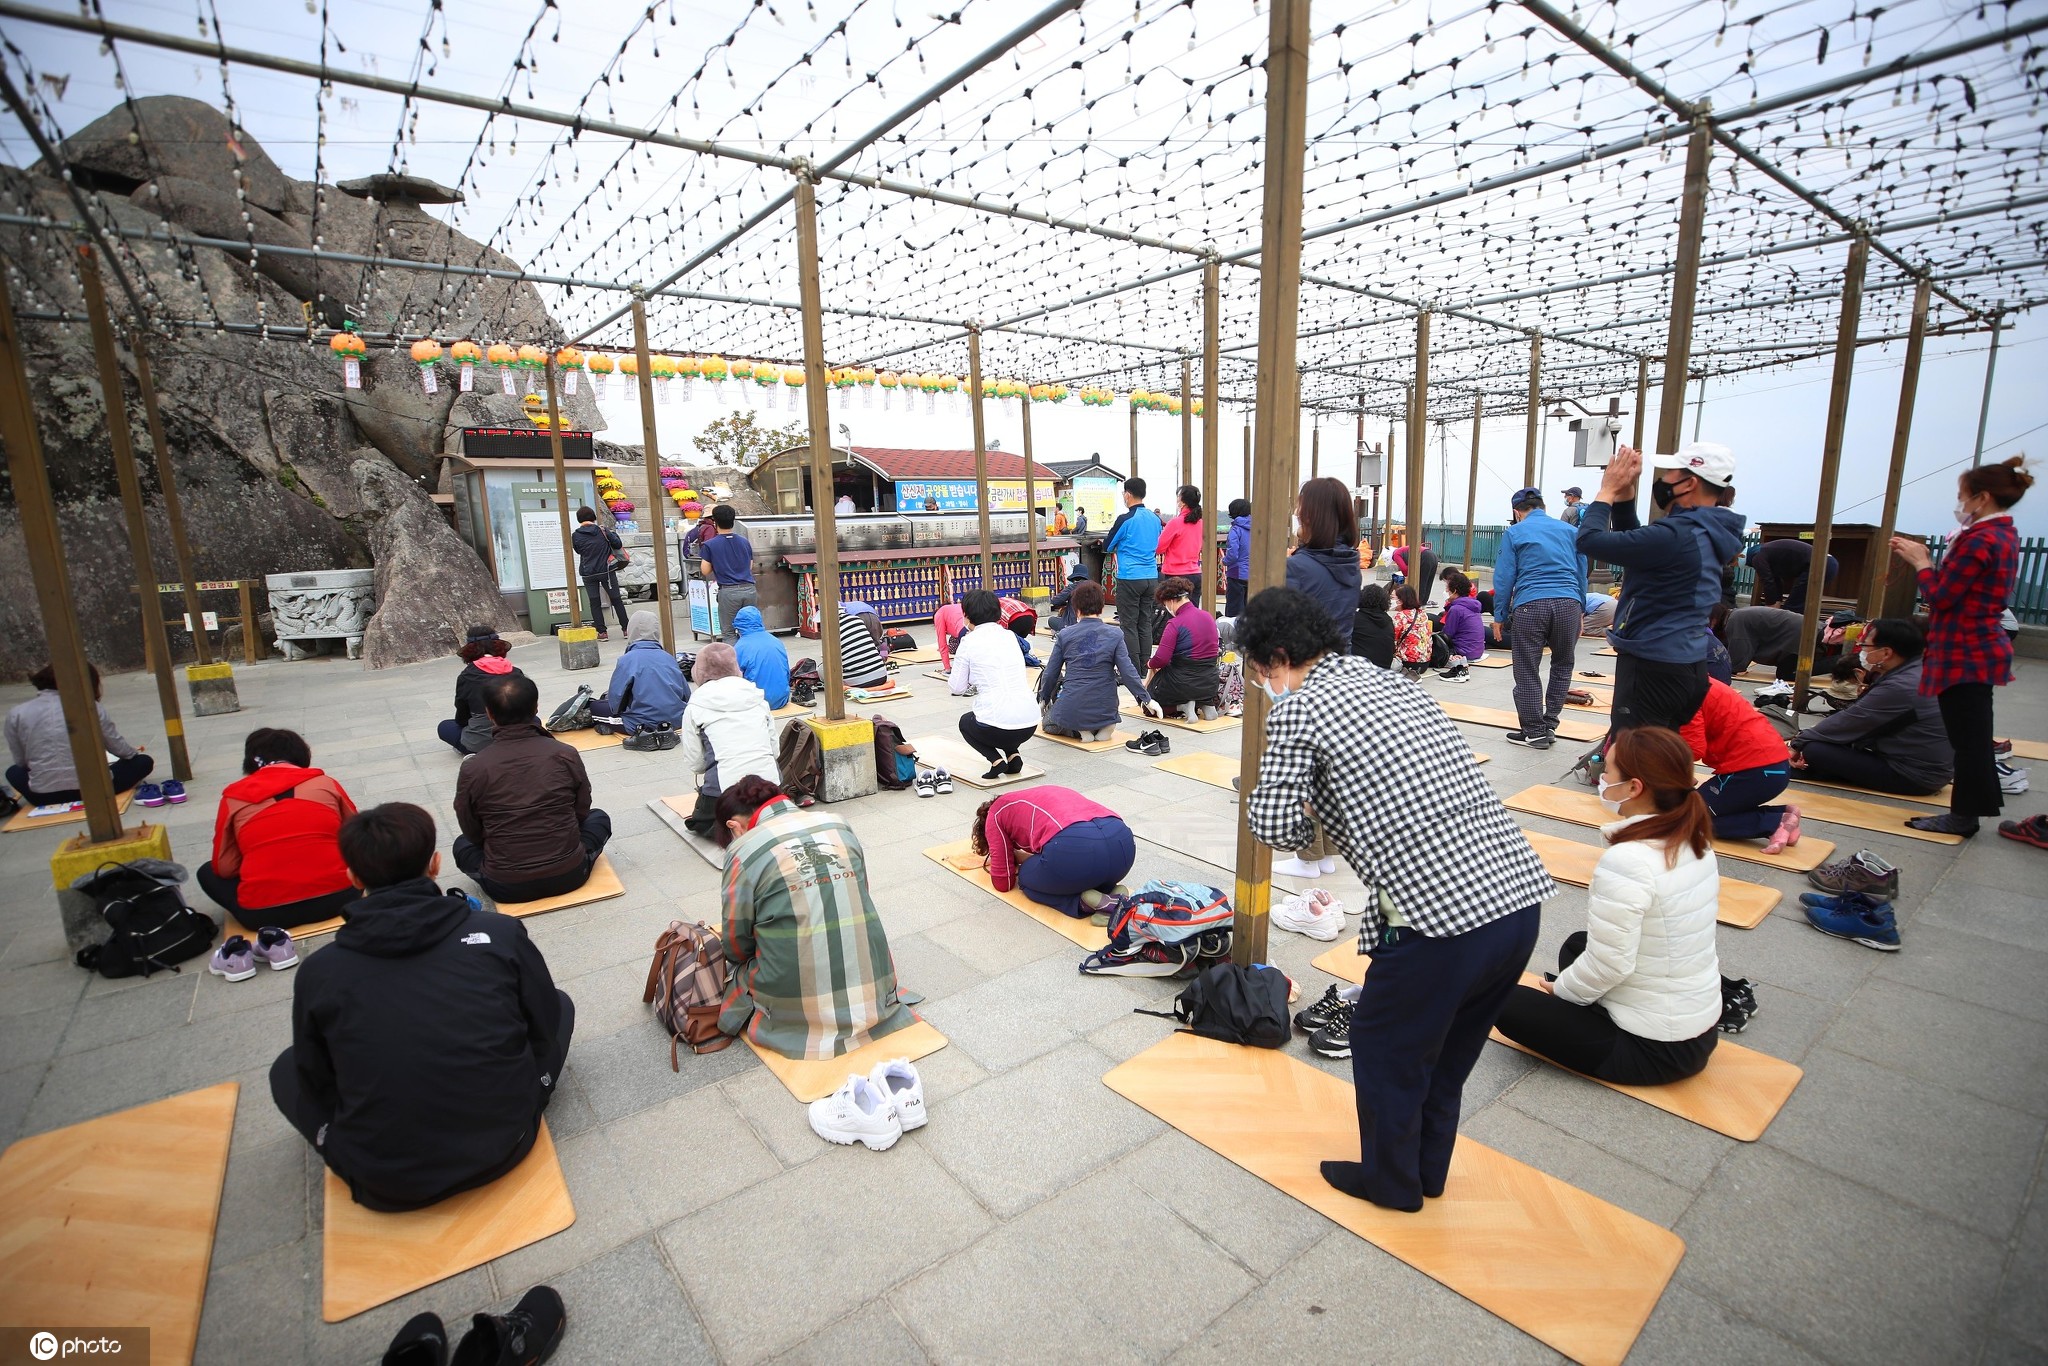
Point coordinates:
[(325, 604), (636, 580)]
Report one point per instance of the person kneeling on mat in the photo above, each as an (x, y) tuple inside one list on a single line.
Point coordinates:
[(727, 731), (428, 1038), (528, 828), (1183, 668), (275, 857), (1077, 691), (1637, 999), (796, 881), (1751, 765), (1059, 848), (988, 666), (1459, 888), (648, 692), (1891, 738)]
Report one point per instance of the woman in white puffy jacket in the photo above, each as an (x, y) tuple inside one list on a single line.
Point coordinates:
[(1637, 996)]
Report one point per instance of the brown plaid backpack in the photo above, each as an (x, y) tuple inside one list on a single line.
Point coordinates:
[(686, 987)]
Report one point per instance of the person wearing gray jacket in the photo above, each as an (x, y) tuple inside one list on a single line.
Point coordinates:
[(1890, 739), (1077, 689), (39, 746)]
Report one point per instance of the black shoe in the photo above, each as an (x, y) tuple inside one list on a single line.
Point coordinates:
[(1531, 739), (1152, 744), (703, 817), (1947, 823), (1333, 1040), (1014, 765), (1322, 1012), (422, 1342), (999, 769), (1738, 1004), (525, 1337)]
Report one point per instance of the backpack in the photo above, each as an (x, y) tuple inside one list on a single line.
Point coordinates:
[(801, 760), (900, 641), (805, 682), (1232, 1003), (686, 986), (573, 714), (1169, 913), (151, 924), (888, 735), (1230, 685)]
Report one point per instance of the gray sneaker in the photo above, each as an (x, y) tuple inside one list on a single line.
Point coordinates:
[(1864, 873)]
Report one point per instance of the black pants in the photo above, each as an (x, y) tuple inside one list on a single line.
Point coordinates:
[(1587, 1040), (226, 893), (1137, 615), (1416, 1033), (1737, 801), (469, 857), (1650, 692), (606, 583), (1186, 680), (1234, 591), (993, 743), (125, 773), (1966, 714), (1832, 763), (311, 1119)]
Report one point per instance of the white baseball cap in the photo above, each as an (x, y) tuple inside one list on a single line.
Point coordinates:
[(1711, 462)]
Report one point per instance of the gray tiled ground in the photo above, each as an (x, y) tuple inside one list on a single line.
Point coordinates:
[(1892, 1212)]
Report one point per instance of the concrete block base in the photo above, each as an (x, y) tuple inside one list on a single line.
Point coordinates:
[(78, 855), (578, 645), (849, 748), (213, 689)]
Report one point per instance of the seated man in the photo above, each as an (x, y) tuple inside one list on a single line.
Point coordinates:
[(764, 661), (648, 691), (428, 1038), (1891, 738), (528, 829)]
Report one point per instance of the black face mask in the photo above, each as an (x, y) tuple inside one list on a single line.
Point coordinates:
[(1662, 494)]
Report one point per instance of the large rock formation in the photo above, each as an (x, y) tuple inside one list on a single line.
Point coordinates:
[(280, 467)]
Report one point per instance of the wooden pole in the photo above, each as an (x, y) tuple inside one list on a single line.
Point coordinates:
[(981, 495), (1472, 480), (1134, 441), (570, 579), (174, 511), (1418, 452), (1212, 419), (1831, 460), (155, 643), (819, 415), (1030, 496), (1871, 602), (1315, 450), (1685, 279), (1187, 420), (1642, 398), (1248, 458), (246, 590), (1535, 413), (657, 497), (29, 475), (1279, 410)]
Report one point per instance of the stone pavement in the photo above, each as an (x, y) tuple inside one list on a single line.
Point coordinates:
[(1891, 1212)]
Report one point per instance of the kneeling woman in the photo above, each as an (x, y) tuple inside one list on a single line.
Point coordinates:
[(276, 841), (811, 971), (1059, 848), (1078, 688), (1637, 999), (1751, 766), (1184, 674)]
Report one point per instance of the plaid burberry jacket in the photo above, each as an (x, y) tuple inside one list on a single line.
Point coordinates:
[(1965, 597)]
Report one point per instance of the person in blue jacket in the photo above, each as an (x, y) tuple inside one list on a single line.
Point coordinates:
[(764, 661), (1237, 557), (1134, 540), (1672, 579), (648, 690), (1539, 596)]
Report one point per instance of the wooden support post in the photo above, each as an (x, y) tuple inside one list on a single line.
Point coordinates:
[(572, 584), (981, 494), (1248, 457), (1870, 602), (1831, 459), (1187, 420), (1315, 450), (1472, 480), (1134, 474), (174, 510), (1642, 398), (658, 500), (29, 476), (155, 643), (1535, 413), (1279, 410), (246, 588), (1030, 495), (1418, 452), (820, 417), (1685, 278), (1212, 419)]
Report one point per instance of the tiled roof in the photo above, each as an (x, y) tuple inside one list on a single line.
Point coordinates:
[(897, 462), (1068, 469)]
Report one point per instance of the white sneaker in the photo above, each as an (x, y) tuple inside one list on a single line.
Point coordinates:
[(1314, 913), (1294, 867), (899, 1081), (1328, 866), (2011, 779), (857, 1113)]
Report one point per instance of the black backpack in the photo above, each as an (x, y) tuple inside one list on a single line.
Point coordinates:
[(805, 682), (1234, 1004), (152, 926)]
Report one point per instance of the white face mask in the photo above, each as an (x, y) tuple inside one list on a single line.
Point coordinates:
[(1612, 803), (1863, 658), (1964, 515), (1265, 686)]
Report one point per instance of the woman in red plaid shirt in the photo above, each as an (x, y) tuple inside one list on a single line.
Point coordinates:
[(1967, 653)]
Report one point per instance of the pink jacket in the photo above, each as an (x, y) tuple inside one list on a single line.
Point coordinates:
[(948, 621), (1180, 547), (1023, 822)]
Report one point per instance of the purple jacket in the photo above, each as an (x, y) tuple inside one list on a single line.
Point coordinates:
[(1462, 625), (1189, 633)]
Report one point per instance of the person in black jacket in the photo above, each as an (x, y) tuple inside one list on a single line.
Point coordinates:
[(428, 1038), (1372, 628), (483, 656), (595, 548), (1324, 564)]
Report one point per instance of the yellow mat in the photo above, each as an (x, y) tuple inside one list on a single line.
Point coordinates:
[(300, 933), (952, 754), (111, 1222), (1217, 770), (1609, 651), (588, 739), (1567, 729), (371, 1259), (1594, 677), (1583, 808), (1743, 904), (960, 858), (2030, 749), (1940, 798), (789, 709), (1829, 809), (1200, 727), (1115, 741), (930, 656), (810, 1079), (1603, 705), (21, 820), (1565, 1267), (602, 885)]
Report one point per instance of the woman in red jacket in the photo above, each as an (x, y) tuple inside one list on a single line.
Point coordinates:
[(275, 856), (1180, 539), (1751, 766), (1061, 849)]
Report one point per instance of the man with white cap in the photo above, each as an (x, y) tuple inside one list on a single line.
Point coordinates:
[(1672, 576)]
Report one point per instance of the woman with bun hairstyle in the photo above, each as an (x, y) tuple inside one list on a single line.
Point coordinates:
[(1180, 539), (1967, 653)]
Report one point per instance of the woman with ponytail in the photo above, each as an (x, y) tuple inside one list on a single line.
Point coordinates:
[(1638, 994), (1180, 540)]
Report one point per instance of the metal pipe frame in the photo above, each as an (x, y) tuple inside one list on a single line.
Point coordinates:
[(1831, 460), (981, 495)]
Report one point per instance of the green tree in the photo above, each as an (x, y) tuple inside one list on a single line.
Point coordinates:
[(741, 440)]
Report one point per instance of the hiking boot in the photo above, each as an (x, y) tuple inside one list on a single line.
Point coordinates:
[(1531, 739), (1947, 823), (2011, 781), (2033, 830), (1864, 874), (274, 946), (1860, 918), (525, 1337), (149, 794), (235, 959), (422, 1342), (1326, 1009), (174, 791), (1333, 1040)]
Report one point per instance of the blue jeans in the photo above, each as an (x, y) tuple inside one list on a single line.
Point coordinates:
[(126, 773), (1737, 801), (1092, 855)]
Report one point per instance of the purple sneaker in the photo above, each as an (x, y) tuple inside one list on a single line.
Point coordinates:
[(173, 790), (274, 946), (149, 794), (235, 959)]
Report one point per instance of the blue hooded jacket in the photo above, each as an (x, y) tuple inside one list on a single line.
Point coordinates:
[(1237, 549), (763, 660), (648, 687), (1673, 578), (1331, 577)]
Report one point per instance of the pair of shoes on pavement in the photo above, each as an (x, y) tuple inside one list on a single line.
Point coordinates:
[(1314, 913), (1854, 916), (170, 790), (2033, 830), (236, 959), (1738, 1004), (660, 736), (874, 1110), (1787, 833), (1862, 873), (1004, 768), (932, 782), (1151, 744), (1532, 739), (2011, 780), (1457, 673), (526, 1336), (1328, 1022)]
